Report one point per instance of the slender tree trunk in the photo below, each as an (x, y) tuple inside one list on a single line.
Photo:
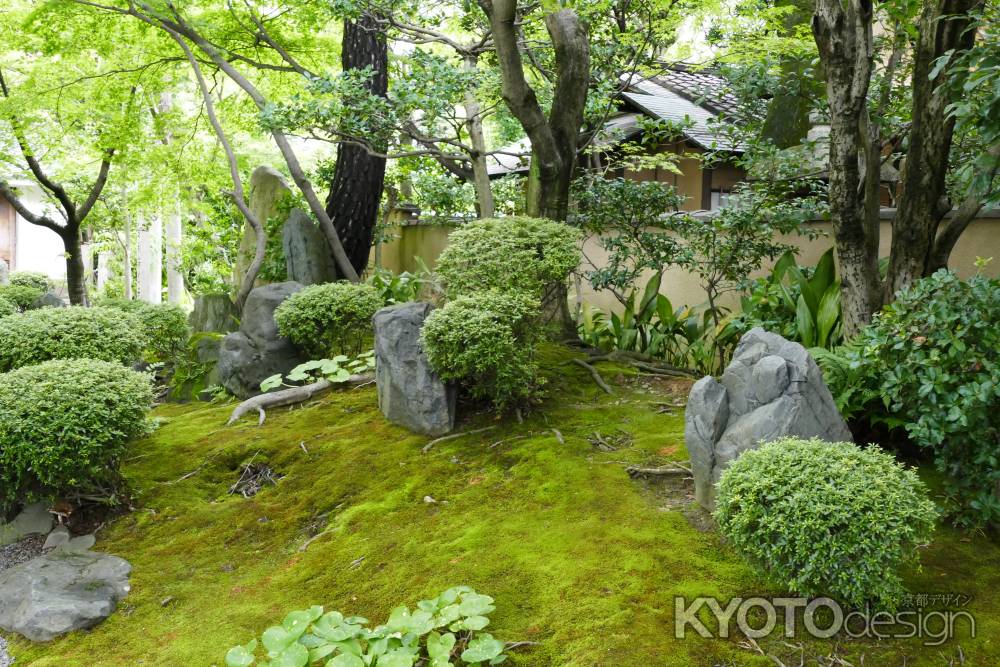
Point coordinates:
[(76, 274), (944, 25), (175, 238), (127, 259), (481, 175), (843, 33), (356, 188)]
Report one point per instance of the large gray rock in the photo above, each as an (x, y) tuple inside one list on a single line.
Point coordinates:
[(214, 312), (60, 592), (48, 300), (307, 255), (771, 389), (409, 392), (257, 351)]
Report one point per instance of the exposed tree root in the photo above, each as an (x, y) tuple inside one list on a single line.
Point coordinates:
[(676, 469), (289, 396), (594, 374), (445, 438), (646, 363)]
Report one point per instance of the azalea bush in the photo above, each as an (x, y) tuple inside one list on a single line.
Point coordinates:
[(825, 518), (329, 319), (70, 333), (508, 255), (485, 342), (33, 279), (64, 425), (164, 324), (22, 296), (8, 307), (442, 631)]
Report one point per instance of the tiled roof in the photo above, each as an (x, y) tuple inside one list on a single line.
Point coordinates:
[(701, 87)]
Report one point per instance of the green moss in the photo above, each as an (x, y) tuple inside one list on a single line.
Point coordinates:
[(580, 558)]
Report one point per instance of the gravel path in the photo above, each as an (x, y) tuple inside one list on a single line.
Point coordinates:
[(5, 658), (20, 552)]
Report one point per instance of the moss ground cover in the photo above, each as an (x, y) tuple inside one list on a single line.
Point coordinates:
[(583, 561)]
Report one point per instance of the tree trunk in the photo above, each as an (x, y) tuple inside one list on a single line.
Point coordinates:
[(76, 274), (127, 257), (843, 33), (481, 175), (944, 25), (175, 281), (356, 188)]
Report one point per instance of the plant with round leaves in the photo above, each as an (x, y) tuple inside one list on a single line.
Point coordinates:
[(70, 333), (64, 425), (508, 255), (329, 319), (336, 370), (431, 635), (485, 342), (826, 518)]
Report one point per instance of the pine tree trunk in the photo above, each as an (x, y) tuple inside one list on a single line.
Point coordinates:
[(356, 188)]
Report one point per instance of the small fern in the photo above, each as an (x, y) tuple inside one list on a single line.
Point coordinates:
[(845, 373)]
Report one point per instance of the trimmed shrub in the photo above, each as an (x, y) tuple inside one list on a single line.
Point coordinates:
[(32, 279), (23, 296), (826, 518), (7, 307), (165, 326), (486, 343), (508, 255), (935, 355), (329, 319), (70, 333), (63, 428)]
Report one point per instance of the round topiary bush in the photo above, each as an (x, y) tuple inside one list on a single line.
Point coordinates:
[(508, 254), (934, 355), (22, 296), (32, 279), (70, 333), (63, 428), (329, 319), (486, 343), (826, 518), (8, 307), (165, 326)]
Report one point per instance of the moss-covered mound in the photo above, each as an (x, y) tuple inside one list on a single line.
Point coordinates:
[(584, 562)]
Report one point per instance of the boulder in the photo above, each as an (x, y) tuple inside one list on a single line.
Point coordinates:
[(60, 592), (771, 389), (267, 189), (214, 312), (409, 392), (307, 255), (34, 519), (48, 300), (257, 351)]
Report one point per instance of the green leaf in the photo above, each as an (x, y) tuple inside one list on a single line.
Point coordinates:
[(440, 646), (241, 656), (828, 315), (272, 382), (346, 660), (805, 323), (482, 648)]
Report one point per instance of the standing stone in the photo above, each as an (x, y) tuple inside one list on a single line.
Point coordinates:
[(214, 312), (267, 189), (409, 391), (257, 351), (771, 389), (4, 273), (61, 591), (34, 519), (307, 256)]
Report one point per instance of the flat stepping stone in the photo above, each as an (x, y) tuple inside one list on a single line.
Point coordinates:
[(61, 591)]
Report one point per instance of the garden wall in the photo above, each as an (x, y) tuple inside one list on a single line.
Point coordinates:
[(416, 238)]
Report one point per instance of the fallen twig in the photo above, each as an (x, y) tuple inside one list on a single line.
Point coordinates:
[(636, 471), (452, 436)]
